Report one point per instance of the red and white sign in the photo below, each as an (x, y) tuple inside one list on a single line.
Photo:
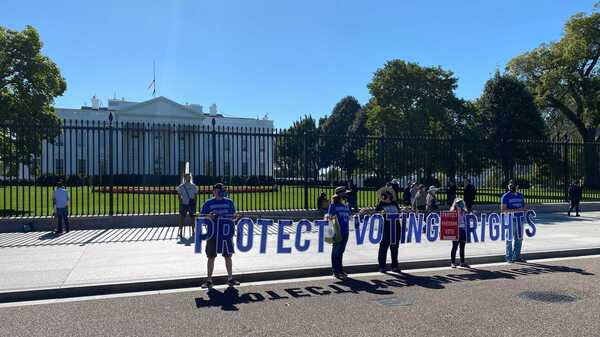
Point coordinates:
[(448, 225)]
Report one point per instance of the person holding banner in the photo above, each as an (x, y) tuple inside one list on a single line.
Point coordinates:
[(391, 231), (340, 212), (187, 192), (218, 207), (513, 202), (458, 206)]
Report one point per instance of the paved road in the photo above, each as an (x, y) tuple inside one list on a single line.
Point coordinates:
[(483, 301)]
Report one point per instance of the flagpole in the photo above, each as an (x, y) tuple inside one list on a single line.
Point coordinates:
[(154, 77)]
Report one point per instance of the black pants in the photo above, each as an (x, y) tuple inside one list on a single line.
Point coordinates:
[(462, 241), (574, 205), (386, 242)]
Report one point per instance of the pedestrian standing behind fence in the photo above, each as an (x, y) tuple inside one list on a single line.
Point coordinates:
[(469, 194), (352, 196), (458, 206), (432, 203), (339, 211), (414, 188), (450, 193), (187, 192), (60, 199), (420, 202), (322, 203), (387, 205), (513, 201), (406, 194), (575, 194)]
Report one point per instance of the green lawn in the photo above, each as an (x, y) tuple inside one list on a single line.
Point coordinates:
[(37, 201)]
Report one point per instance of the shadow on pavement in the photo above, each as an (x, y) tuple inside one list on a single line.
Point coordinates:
[(230, 298)]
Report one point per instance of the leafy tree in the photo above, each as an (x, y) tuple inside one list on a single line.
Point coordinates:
[(290, 148), (334, 129), (29, 82), (507, 113), (564, 77), (355, 140), (409, 100)]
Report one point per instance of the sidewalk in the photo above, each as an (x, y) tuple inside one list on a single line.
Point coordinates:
[(39, 260)]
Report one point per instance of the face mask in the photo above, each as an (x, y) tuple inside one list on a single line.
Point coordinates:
[(461, 205)]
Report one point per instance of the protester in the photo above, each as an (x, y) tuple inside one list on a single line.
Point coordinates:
[(388, 205), (432, 204), (339, 211), (575, 194), (469, 194), (352, 196), (60, 200), (420, 202), (395, 185), (450, 192), (513, 201), (322, 203), (414, 188), (459, 206), (216, 208), (407, 195), (187, 202)]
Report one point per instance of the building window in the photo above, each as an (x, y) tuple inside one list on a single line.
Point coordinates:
[(244, 169), (244, 144), (227, 168), (81, 167), (59, 166)]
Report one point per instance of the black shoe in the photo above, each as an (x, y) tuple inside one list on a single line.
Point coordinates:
[(577, 214), (396, 270), (569, 214), (339, 276), (464, 265), (521, 260), (57, 232), (233, 282), (206, 284)]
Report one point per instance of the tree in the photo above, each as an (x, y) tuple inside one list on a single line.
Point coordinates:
[(29, 82), (290, 148), (409, 100), (564, 76), (356, 138), (508, 114), (334, 129)]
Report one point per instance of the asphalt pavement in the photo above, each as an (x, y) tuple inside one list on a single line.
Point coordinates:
[(559, 297)]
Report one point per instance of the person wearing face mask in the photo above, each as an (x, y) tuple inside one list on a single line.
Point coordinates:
[(513, 202), (339, 210), (459, 206), (187, 192), (388, 205)]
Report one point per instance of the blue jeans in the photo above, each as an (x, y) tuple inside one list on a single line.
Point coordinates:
[(337, 254), (513, 252), (62, 215)]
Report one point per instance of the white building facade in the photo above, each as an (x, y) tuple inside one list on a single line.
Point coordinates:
[(157, 137)]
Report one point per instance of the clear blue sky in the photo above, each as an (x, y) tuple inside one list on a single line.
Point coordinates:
[(284, 58)]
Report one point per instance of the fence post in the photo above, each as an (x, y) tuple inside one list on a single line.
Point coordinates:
[(305, 160), (566, 168), (214, 150), (110, 164), (382, 156)]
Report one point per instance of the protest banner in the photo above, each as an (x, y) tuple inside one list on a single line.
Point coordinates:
[(448, 225)]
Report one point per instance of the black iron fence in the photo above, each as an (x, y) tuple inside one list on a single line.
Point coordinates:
[(133, 168)]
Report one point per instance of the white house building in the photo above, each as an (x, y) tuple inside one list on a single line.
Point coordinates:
[(158, 136)]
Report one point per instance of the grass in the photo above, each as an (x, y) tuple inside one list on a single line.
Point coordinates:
[(37, 200)]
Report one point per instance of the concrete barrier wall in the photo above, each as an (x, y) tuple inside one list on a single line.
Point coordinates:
[(161, 220)]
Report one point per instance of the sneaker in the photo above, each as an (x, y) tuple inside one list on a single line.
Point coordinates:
[(339, 276), (207, 284), (57, 232), (522, 260), (233, 282), (344, 274), (452, 265), (577, 215), (396, 270), (382, 270), (464, 265)]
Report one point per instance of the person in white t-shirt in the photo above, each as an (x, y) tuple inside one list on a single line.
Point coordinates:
[(60, 200), (187, 192)]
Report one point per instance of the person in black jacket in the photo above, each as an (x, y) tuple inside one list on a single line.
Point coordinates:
[(469, 193), (574, 197), (407, 194), (388, 205)]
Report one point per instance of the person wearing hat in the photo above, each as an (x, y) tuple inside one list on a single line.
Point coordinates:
[(513, 201), (459, 206), (388, 205), (218, 207), (420, 201), (339, 210), (432, 203)]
